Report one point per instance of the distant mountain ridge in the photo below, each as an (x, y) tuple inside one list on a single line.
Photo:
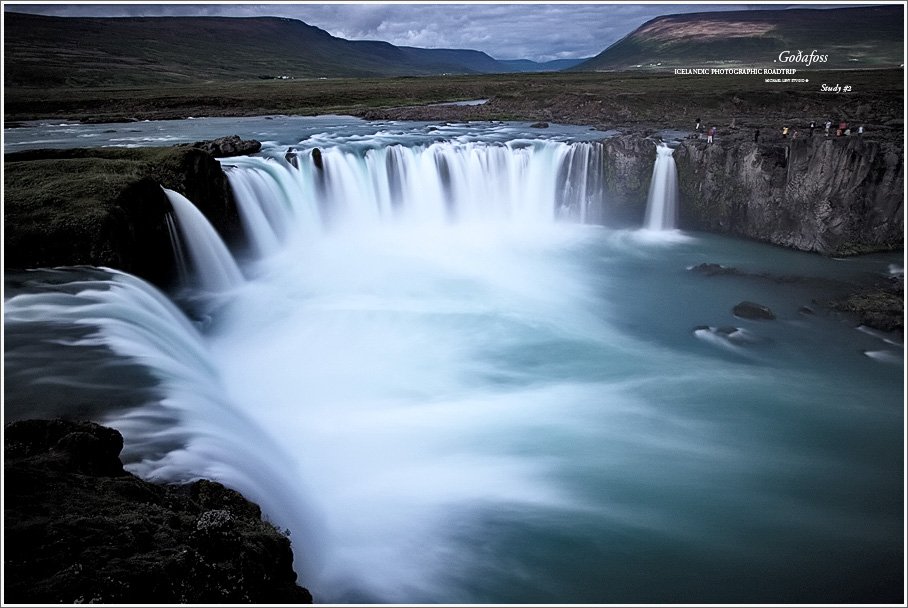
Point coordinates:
[(525, 65), (116, 51), (862, 37)]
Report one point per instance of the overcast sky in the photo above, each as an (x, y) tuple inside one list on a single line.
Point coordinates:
[(505, 31)]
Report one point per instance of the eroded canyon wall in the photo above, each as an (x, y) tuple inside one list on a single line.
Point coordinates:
[(835, 196)]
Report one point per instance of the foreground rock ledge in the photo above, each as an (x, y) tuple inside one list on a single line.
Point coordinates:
[(80, 529), (105, 207)]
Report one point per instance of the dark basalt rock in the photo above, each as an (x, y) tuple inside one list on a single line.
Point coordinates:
[(291, 157), (725, 331), (317, 159), (835, 196), (627, 170), (752, 310), (710, 269), (879, 306), (730, 333), (100, 120), (80, 529), (231, 145), (539, 125)]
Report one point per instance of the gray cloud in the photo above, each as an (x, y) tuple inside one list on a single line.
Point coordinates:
[(505, 31)]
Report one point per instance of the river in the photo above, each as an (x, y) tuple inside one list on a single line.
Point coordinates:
[(449, 389)]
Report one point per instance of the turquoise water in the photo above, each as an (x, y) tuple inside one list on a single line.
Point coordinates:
[(499, 412), (547, 427)]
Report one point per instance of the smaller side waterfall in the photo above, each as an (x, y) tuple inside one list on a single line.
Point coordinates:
[(662, 202), (209, 259)]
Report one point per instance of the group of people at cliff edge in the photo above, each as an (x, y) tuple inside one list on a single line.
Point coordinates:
[(710, 132), (843, 129)]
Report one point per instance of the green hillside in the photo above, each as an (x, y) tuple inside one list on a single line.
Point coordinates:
[(41, 51), (863, 37)]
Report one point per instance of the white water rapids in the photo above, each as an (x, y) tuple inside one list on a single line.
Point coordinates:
[(364, 345), (448, 393)]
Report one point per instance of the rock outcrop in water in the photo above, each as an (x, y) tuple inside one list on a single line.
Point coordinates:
[(880, 306), (79, 529), (232, 145), (752, 310), (836, 196)]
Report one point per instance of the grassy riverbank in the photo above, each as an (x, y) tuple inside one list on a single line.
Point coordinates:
[(105, 207), (663, 100)]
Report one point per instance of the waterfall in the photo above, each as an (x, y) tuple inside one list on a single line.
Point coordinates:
[(662, 202), (209, 258), (581, 188), (440, 183), (169, 438), (447, 395), (342, 187), (251, 204), (394, 280)]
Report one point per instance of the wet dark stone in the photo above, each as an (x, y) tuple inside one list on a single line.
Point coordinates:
[(231, 145), (80, 529), (752, 310)]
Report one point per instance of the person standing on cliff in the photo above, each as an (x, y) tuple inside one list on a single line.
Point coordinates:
[(813, 125), (828, 125), (785, 132), (710, 134), (698, 125), (861, 131), (757, 136)]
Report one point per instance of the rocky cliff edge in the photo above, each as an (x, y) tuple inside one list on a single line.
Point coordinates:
[(830, 195), (80, 529)]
